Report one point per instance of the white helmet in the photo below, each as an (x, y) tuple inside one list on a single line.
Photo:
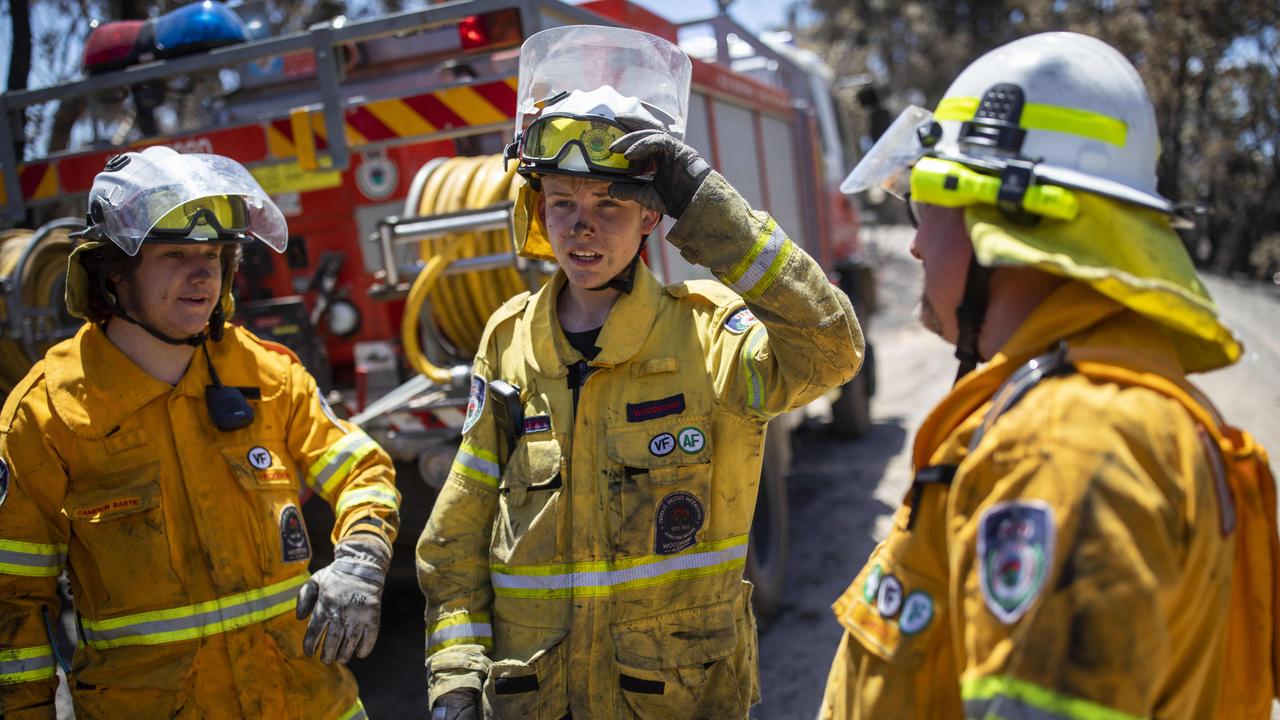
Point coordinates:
[(1068, 109), (164, 195)]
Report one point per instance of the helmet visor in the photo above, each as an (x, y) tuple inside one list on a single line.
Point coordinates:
[(550, 138), (888, 164), (172, 196)]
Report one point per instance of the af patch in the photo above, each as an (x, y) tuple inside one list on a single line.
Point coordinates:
[(293, 535), (692, 440), (679, 518), (4, 480), (1015, 549), (475, 403), (917, 611), (740, 321)]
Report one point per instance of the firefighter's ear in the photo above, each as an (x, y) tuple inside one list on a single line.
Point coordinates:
[(649, 220)]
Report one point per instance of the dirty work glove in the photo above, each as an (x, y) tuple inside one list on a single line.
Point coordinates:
[(680, 170), (457, 705), (347, 598)]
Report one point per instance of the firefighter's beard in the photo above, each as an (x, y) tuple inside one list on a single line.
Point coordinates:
[(928, 316)]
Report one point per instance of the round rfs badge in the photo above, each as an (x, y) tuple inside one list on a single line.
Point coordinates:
[(679, 518)]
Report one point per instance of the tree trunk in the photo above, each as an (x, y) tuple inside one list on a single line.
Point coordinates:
[(19, 62)]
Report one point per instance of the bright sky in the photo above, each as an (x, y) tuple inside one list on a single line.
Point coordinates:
[(757, 15)]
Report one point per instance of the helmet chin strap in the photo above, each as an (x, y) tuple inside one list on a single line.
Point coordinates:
[(969, 316), (216, 320), (626, 279)]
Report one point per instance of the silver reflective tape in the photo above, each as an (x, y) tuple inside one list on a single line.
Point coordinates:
[(352, 445), (762, 263), (455, 632), (38, 665), (42, 560), (1008, 708), (211, 620), (479, 464), (605, 578)]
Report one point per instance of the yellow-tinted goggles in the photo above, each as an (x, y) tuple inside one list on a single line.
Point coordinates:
[(226, 214), (549, 138)]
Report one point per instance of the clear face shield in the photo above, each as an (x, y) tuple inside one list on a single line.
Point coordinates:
[(904, 163), (185, 197)]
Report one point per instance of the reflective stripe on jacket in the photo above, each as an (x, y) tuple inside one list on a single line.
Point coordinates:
[(1073, 562), (184, 545), (596, 566)]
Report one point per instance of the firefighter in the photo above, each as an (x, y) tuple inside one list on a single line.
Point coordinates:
[(585, 555), (157, 456), (1066, 548)]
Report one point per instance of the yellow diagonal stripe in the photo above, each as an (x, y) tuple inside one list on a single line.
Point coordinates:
[(470, 106), (397, 115)]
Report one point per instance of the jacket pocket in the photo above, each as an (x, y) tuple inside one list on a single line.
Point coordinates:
[(898, 642), (528, 493), (272, 516), (120, 522), (688, 663), (533, 689), (659, 485)]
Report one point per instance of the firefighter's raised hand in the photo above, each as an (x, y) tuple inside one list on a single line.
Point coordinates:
[(679, 169), (344, 600)]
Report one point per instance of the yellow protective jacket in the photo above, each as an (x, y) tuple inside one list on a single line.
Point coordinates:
[(1065, 556), (596, 567), (184, 545)]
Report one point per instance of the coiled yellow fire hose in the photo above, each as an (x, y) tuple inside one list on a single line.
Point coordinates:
[(41, 286), (460, 305)]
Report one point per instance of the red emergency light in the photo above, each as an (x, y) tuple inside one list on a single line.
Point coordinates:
[(112, 45), (490, 29)]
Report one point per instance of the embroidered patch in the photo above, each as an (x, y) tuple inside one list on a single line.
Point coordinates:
[(4, 480), (111, 506), (917, 611), (294, 544), (654, 409), (537, 424), (259, 457), (692, 440), (889, 596), (1015, 548), (328, 411), (662, 444), (740, 321), (872, 584), (679, 518), (475, 403)]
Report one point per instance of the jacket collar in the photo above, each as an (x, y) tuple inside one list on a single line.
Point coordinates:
[(625, 331), (1075, 313), (93, 386)]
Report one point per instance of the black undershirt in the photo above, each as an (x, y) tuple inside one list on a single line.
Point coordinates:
[(584, 342)]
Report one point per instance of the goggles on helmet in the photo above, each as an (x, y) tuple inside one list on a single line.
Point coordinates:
[(550, 139), (223, 214)]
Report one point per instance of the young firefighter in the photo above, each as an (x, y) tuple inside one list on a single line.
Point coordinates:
[(585, 556), (1084, 538), (157, 456)]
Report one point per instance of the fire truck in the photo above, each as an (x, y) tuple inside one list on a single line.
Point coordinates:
[(380, 140)]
